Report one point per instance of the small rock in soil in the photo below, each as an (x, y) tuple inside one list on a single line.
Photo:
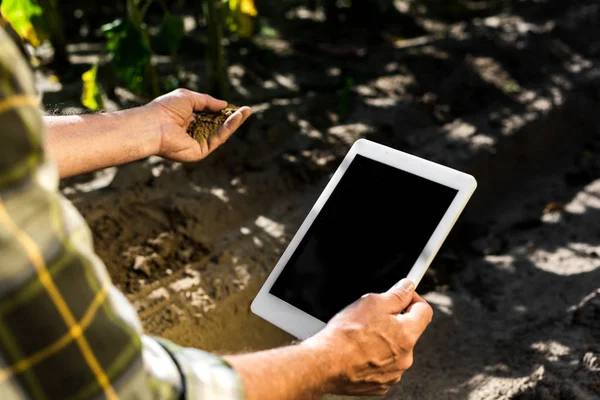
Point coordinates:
[(587, 313), (158, 260), (553, 206), (141, 264)]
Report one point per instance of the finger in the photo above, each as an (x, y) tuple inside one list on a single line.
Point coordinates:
[(395, 381), (418, 315), (392, 380), (233, 123), (367, 390), (387, 378), (225, 131), (203, 102), (398, 297), (416, 299), (246, 111)]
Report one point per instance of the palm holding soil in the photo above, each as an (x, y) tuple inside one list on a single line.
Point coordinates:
[(175, 111)]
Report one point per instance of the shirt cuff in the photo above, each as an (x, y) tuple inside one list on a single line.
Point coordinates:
[(205, 375)]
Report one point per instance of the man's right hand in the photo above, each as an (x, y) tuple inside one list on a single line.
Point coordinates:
[(363, 350), (370, 344)]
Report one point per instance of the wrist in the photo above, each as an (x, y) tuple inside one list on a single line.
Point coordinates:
[(327, 364), (144, 124)]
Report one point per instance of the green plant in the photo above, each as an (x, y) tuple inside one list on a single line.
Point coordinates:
[(36, 21), (240, 16), (56, 31), (128, 44), (91, 96), (131, 55), (218, 84), (25, 16), (171, 32)]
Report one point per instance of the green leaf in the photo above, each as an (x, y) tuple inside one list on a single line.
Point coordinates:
[(246, 7), (171, 32), (130, 54), (240, 17), (91, 96), (25, 18)]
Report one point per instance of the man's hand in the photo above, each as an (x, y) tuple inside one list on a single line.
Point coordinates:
[(363, 350), (371, 342), (173, 113), (84, 143)]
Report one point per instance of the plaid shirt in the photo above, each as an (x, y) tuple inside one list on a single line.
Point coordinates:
[(65, 331)]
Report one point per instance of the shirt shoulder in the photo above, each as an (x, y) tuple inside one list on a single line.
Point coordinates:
[(16, 72), (21, 124)]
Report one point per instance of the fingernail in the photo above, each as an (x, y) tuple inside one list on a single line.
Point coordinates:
[(406, 285)]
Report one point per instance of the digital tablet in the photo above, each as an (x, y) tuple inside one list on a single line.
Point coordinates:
[(382, 217)]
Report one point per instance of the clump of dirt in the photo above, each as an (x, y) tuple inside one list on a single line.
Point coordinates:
[(158, 257), (140, 239), (207, 124)]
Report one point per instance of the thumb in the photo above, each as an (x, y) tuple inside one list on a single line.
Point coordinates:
[(399, 296)]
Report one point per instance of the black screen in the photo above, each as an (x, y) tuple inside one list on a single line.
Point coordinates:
[(367, 237)]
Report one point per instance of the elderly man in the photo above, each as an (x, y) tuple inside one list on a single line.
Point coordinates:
[(67, 332)]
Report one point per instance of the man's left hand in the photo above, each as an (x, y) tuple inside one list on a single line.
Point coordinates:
[(174, 111)]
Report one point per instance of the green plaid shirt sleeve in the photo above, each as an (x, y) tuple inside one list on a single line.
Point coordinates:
[(65, 331)]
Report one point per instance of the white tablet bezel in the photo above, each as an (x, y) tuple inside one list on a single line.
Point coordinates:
[(303, 325)]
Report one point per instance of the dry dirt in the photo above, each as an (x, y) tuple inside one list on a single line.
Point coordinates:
[(511, 99)]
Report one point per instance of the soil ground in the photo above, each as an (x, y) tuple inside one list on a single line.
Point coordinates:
[(512, 98)]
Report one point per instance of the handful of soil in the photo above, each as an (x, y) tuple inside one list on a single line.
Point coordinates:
[(207, 123)]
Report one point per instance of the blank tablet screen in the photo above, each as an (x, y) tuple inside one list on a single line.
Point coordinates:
[(366, 238)]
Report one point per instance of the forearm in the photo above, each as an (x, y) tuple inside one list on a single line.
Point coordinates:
[(84, 143), (288, 373)]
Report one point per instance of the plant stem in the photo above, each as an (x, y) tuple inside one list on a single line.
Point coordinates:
[(216, 68), (56, 31), (136, 17)]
